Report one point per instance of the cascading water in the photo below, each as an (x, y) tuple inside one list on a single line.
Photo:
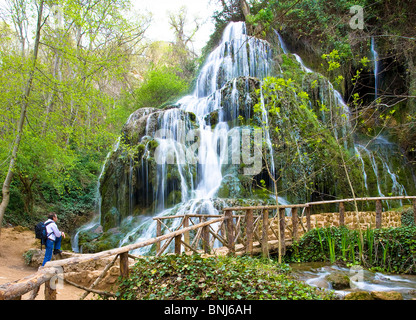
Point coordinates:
[(376, 67), (380, 151), (238, 55), (184, 150), (95, 222), (316, 273)]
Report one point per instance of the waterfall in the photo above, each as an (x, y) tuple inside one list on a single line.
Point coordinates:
[(358, 154), (237, 55), (192, 144), (379, 152), (380, 148), (96, 220), (282, 43), (376, 67)]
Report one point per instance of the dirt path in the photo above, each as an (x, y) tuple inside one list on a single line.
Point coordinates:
[(14, 242)]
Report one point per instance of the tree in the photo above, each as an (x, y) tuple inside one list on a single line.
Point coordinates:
[(84, 54), (161, 85), (182, 47), (24, 107)]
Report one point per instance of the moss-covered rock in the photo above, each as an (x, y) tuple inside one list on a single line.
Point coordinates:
[(359, 295), (338, 280), (386, 295)]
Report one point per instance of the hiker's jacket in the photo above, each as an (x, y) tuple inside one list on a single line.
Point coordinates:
[(52, 230)]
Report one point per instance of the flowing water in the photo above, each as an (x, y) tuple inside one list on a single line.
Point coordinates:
[(237, 55), (315, 275), (376, 68), (378, 152)]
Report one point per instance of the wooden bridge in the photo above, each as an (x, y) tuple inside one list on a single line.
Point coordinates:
[(238, 230)]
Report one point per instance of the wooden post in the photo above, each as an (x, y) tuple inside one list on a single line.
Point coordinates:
[(308, 218), (186, 238), (379, 210), (295, 223), (158, 233), (282, 213), (265, 236), (341, 214), (205, 237), (124, 264), (50, 293), (230, 231), (249, 231), (414, 210), (178, 239)]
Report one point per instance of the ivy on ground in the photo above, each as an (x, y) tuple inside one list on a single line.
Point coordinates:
[(196, 277)]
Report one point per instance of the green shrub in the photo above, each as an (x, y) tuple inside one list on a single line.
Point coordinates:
[(408, 217), (161, 86), (213, 278)]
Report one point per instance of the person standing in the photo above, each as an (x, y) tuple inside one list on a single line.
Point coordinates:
[(54, 238)]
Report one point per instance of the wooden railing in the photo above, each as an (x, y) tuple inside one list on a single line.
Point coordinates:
[(15, 290), (253, 215), (238, 230)]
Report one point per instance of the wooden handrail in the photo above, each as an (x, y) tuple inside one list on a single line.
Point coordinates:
[(130, 247), (20, 287), (188, 215), (309, 204), (284, 206)]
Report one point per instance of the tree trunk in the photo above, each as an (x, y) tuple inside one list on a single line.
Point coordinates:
[(244, 8), (28, 199), (25, 103)]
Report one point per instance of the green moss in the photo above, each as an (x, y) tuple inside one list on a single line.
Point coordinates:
[(359, 295)]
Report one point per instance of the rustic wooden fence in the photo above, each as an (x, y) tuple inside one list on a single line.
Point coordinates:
[(239, 230)]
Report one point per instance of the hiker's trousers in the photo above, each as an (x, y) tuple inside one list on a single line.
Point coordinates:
[(50, 246)]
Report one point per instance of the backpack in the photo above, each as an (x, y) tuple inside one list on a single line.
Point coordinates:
[(40, 232)]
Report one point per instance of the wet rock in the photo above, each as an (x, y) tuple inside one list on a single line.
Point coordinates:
[(320, 283), (359, 295), (386, 295), (98, 230), (338, 280)]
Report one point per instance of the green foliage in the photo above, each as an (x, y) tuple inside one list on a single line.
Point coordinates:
[(162, 85), (213, 278), (73, 112), (408, 218), (326, 22), (389, 249)]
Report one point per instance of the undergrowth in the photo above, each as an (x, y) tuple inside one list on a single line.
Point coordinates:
[(196, 277)]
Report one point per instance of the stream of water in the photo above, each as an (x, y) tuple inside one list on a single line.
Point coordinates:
[(315, 274)]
